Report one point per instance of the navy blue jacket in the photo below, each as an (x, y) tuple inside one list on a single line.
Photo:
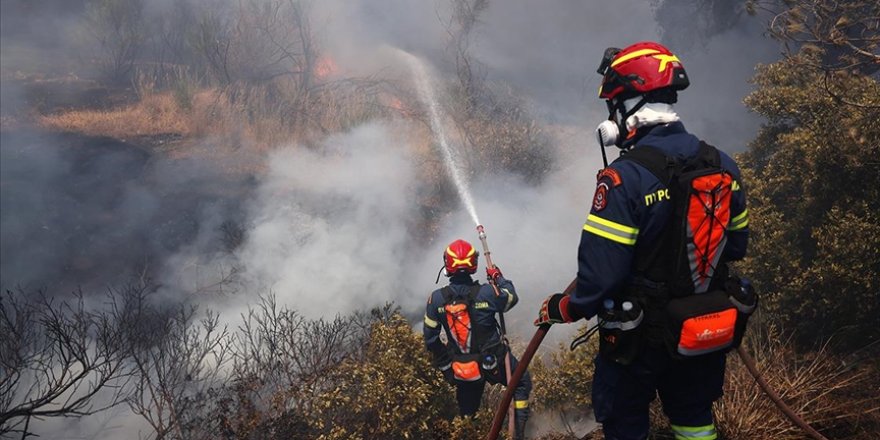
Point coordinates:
[(630, 209), (486, 305)]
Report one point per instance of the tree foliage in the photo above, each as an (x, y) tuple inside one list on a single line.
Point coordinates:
[(561, 381), (387, 393), (844, 33), (814, 191), (119, 28)]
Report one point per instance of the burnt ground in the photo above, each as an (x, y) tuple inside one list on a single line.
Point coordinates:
[(91, 212)]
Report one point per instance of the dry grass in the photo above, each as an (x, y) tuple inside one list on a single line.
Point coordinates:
[(818, 386), (238, 115), (832, 398), (153, 115), (837, 398)]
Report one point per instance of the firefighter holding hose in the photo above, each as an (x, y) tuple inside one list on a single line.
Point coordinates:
[(666, 218), (475, 350)]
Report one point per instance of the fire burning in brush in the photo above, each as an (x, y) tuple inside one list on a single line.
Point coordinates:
[(325, 67), (396, 104)]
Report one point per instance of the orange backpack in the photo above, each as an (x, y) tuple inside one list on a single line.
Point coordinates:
[(465, 336), (691, 303)]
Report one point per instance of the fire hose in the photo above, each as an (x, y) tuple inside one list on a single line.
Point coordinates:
[(774, 396), (514, 379), (488, 254), (541, 332)]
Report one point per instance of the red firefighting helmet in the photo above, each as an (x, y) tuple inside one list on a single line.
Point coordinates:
[(639, 69), (460, 257)]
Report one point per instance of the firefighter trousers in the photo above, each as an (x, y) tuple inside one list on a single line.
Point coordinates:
[(469, 394), (687, 389)]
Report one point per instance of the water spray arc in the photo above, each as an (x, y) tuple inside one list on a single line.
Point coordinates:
[(426, 95)]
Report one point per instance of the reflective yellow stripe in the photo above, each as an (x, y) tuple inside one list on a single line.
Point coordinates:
[(453, 254), (664, 60), (635, 54), (740, 221), (611, 224), (735, 186), (520, 404), (706, 432), (509, 299), (611, 237), (430, 322), (739, 226), (615, 232)]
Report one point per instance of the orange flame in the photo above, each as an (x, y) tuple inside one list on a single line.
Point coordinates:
[(325, 67)]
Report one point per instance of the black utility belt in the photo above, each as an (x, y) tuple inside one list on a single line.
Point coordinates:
[(471, 367), (686, 326)]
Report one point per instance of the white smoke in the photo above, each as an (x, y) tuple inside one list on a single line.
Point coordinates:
[(335, 229), (329, 229), (326, 229)]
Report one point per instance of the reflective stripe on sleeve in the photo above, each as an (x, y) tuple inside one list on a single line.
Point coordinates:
[(740, 221), (430, 322), (612, 231), (510, 299), (520, 404), (706, 432)]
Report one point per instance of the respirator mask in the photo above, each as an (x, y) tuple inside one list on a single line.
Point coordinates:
[(611, 131), (607, 133)]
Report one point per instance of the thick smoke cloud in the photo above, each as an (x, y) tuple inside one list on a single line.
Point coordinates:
[(328, 228), (549, 53)]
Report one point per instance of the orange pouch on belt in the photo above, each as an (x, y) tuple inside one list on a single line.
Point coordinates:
[(466, 371), (700, 324)]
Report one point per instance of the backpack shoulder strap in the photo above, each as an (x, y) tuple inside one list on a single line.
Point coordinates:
[(657, 162), (447, 295), (474, 291), (708, 155)]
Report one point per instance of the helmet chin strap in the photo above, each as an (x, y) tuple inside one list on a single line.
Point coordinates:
[(623, 130)]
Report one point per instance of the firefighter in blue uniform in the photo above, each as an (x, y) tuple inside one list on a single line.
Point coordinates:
[(474, 350), (630, 211)]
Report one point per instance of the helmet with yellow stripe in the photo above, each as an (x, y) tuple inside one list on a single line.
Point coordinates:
[(640, 69), (460, 257), (639, 74)]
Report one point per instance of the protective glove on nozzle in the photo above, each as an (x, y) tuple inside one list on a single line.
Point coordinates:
[(493, 273), (554, 310)]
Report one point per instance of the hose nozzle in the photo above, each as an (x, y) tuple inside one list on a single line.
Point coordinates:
[(481, 233)]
